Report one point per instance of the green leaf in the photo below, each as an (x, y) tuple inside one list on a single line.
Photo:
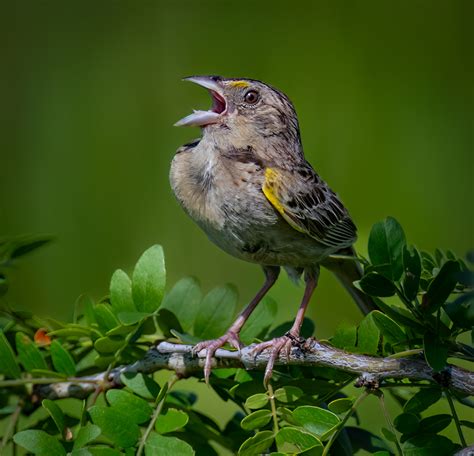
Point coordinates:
[(26, 244), (171, 421), (368, 336), (257, 444), (87, 305), (39, 443), (428, 445), (288, 394), (121, 292), (286, 415), (257, 401), (141, 384), (339, 406), (375, 284), (168, 322), (97, 451), (184, 300), (259, 321), (345, 337), (8, 364), (56, 414), (29, 354), (436, 353), (149, 279), (106, 345), (115, 424), (390, 330), (461, 310), (468, 424), (406, 423), (422, 400), (412, 266), (389, 435), (295, 441), (131, 318), (105, 317), (47, 373), (62, 360), (256, 420), (441, 287), (137, 409), (401, 316), (74, 330), (86, 434), (315, 419), (386, 242), (216, 312), (436, 423), (159, 445)]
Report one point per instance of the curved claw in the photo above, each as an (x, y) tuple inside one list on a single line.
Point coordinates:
[(276, 345), (211, 346)]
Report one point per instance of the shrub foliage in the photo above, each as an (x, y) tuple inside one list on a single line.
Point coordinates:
[(426, 309)]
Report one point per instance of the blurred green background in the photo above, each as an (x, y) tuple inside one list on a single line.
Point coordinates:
[(90, 91)]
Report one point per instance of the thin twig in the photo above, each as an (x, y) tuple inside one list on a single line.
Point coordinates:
[(10, 430), (389, 421), (156, 414), (273, 407), (340, 426), (456, 418)]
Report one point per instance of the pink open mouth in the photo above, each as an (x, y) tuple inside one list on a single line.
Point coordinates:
[(218, 108), (218, 103)]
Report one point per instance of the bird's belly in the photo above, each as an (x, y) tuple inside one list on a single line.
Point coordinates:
[(239, 219), (266, 240)]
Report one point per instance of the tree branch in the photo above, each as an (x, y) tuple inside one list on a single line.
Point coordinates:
[(371, 371)]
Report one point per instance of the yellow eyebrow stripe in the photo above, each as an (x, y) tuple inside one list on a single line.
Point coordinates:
[(239, 84)]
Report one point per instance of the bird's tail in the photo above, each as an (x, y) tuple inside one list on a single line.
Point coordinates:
[(347, 271)]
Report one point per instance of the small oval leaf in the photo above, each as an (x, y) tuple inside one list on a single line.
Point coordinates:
[(256, 420), (257, 401), (149, 279), (62, 360), (171, 421)]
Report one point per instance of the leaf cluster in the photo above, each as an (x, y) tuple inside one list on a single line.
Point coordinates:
[(426, 309)]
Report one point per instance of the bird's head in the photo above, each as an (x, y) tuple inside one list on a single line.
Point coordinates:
[(247, 108)]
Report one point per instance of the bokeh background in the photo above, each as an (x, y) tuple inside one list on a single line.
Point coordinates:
[(90, 90)]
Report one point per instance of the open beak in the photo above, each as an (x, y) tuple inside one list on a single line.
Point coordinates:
[(218, 108)]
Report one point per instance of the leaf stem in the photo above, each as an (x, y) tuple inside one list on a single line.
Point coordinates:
[(156, 414), (456, 418), (389, 421), (343, 422), (402, 354), (273, 407), (10, 428), (43, 381)]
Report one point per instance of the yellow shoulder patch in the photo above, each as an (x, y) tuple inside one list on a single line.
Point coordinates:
[(268, 188), (271, 176), (242, 84)]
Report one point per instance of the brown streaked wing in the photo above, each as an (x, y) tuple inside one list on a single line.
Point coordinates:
[(309, 205)]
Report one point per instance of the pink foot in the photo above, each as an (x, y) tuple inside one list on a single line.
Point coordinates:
[(276, 346), (211, 346)]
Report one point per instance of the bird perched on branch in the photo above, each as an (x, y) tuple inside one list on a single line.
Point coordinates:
[(247, 184)]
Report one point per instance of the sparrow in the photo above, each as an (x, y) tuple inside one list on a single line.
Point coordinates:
[(247, 184)]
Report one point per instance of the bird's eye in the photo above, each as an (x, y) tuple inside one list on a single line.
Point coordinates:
[(251, 97)]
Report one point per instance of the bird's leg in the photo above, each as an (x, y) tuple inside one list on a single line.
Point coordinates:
[(232, 334), (292, 337)]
